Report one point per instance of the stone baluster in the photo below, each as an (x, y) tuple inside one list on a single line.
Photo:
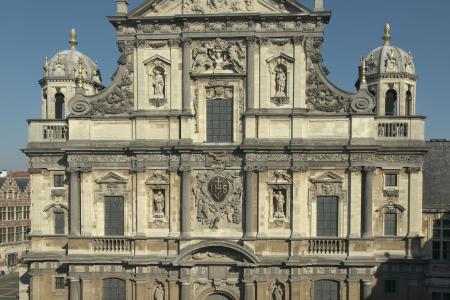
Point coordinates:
[(368, 187)]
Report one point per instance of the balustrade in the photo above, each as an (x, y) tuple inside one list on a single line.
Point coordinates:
[(327, 246), (113, 245)]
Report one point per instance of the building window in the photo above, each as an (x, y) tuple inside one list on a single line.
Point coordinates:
[(390, 286), (219, 121), (441, 239), (113, 289), (60, 283), (59, 223), (58, 180), (391, 103), (26, 235), (59, 106), (2, 213), (326, 290), (114, 220), (391, 180), (26, 212), (390, 224), (18, 212), (3, 236), (327, 216), (409, 103), (10, 213), (12, 259), (10, 234), (18, 234), (440, 296)]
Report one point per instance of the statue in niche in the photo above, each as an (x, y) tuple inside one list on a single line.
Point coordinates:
[(277, 293), (280, 82), (159, 292), (158, 83), (279, 201), (391, 61), (159, 202)]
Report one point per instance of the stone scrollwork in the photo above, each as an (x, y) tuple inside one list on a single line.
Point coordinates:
[(118, 98), (218, 56), (218, 197), (159, 188)]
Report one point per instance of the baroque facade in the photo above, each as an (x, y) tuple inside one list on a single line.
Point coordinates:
[(221, 163), (14, 219)]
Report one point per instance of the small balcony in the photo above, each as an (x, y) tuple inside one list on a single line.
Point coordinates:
[(101, 245), (400, 128), (47, 131)]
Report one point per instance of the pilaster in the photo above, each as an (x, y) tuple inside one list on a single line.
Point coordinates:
[(75, 202), (250, 73), (415, 201), (251, 207), (75, 288), (186, 79), (355, 201), (299, 218), (368, 201), (185, 201), (367, 289)]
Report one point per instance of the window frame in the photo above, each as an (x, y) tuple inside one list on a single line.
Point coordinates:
[(11, 257), (57, 285), (395, 222), (57, 180), (387, 183), (59, 229), (224, 117), (320, 230), (442, 241)]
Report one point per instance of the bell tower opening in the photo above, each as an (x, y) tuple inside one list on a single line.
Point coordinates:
[(409, 104), (391, 103), (59, 106)]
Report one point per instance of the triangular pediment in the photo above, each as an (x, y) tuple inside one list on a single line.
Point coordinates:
[(156, 8), (111, 178), (328, 177)]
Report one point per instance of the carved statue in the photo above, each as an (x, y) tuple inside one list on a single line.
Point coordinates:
[(277, 293), (218, 55), (280, 82), (196, 6), (159, 201), (235, 55), (158, 84), (200, 59), (217, 4), (159, 292), (391, 61), (279, 203)]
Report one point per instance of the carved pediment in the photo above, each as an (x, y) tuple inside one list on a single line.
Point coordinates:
[(281, 58), (279, 177), (328, 177), (172, 8), (158, 178), (111, 178)]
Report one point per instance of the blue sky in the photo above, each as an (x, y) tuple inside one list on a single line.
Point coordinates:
[(30, 30)]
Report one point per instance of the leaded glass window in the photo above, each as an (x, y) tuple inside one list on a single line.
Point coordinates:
[(113, 289), (114, 219), (326, 290), (219, 125), (390, 224), (441, 239), (327, 216)]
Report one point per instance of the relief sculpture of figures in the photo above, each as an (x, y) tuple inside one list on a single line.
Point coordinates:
[(201, 61), (391, 61), (159, 200), (158, 84), (280, 82)]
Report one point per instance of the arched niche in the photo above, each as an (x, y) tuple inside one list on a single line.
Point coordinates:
[(391, 103), (59, 106)]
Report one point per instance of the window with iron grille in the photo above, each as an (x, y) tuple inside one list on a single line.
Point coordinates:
[(18, 212), (391, 180), (327, 216), (58, 180), (390, 224), (440, 296), (219, 125), (12, 259), (59, 223), (390, 286), (10, 234), (113, 289), (441, 239), (60, 282), (326, 290)]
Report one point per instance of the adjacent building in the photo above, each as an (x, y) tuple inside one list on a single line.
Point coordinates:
[(14, 219), (221, 163)]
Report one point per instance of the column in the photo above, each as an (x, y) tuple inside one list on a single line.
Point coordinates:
[(141, 290), (295, 288), (355, 202), (251, 73), (368, 182), (174, 291), (186, 80), (184, 290), (261, 289), (367, 289), (249, 290), (75, 288), (415, 201), (250, 211), (185, 202), (35, 286), (87, 292), (354, 289), (75, 202)]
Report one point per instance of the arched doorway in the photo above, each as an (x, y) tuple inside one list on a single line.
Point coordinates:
[(218, 296)]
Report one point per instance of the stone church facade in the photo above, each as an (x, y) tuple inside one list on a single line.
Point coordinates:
[(221, 163)]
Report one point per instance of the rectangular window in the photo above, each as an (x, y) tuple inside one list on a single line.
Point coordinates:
[(60, 283), (18, 234), (26, 212), (26, 235), (10, 234), (327, 216), (3, 236), (441, 240), (390, 224), (390, 286), (114, 219), (219, 121), (12, 259), (10, 213), (59, 223), (391, 180), (58, 180), (18, 212), (2, 213)]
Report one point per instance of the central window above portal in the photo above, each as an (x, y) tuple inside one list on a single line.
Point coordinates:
[(219, 121)]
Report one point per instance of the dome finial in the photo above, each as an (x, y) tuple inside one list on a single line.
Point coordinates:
[(387, 34), (73, 42)]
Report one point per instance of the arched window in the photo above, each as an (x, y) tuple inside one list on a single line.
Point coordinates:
[(218, 296), (59, 106), (391, 103), (409, 104), (326, 290), (113, 289)]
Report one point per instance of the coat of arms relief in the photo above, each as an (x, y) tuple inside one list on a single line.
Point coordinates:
[(213, 6), (218, 197)]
